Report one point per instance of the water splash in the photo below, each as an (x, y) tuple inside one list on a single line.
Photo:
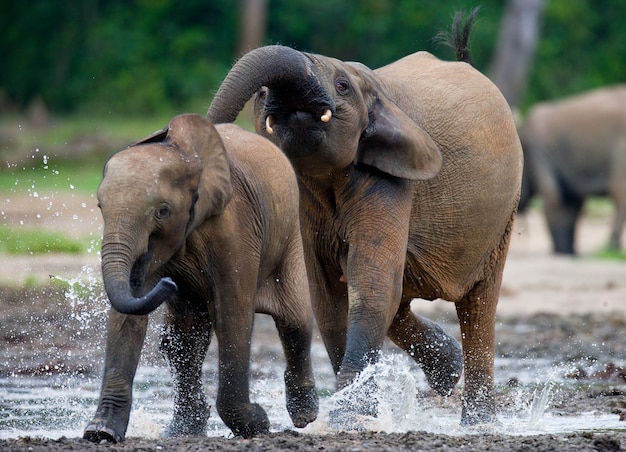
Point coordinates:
[(540, 403), (390, 386)]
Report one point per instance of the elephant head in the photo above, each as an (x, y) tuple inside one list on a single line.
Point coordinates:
[(152, 195), (325, 114)]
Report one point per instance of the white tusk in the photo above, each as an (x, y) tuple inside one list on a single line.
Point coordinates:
[(327, 115), (268, 124)]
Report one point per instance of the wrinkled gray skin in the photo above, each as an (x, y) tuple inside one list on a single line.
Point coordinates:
[(409, 180), (575, 148), (206, 219)]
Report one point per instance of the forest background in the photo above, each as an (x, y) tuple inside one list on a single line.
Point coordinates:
[(116, 58)]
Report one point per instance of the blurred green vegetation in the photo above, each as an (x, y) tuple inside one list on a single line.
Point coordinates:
[(68, 153), (20, 241), (146, 57), (110, 72)]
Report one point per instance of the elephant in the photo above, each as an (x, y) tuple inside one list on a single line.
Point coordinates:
[(409, 179), (575, 148), (205, 219)]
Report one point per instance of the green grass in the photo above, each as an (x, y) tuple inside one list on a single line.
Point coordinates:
[(49, 176), (610, 255), (36, 241), (67, 155), (65, 131)]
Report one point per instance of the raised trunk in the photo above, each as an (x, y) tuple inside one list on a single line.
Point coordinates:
[(277, 67), (116, 274)]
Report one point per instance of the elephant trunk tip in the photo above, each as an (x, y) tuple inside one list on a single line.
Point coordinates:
[(165, 289)]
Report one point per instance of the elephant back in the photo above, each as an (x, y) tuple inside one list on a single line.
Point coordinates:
[(263, 179)]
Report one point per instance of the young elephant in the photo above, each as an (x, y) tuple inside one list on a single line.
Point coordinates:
[(206, 219), (409, 180)]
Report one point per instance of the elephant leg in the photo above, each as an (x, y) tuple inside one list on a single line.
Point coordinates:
[(438, 353), (617, 191), (233, 327), (330, 305), (184, 344), (301, 395), (618, 223), (562, 223), (477, 321), (125, 336), (290, 307)]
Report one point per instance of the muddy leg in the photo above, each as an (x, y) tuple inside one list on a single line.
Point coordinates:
[(293, 316), (125, 336), (233, 327), (184, 344), (477, 320), (438, 353)]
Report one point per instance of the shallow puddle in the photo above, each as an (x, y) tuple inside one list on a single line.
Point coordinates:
[(59, 404)]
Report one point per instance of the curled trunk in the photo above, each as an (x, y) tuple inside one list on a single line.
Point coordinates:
[(277, 67), (116, 274)]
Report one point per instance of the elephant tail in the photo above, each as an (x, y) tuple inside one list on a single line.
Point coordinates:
[(459, 38)]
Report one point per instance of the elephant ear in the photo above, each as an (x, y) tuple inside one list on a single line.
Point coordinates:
[(396, 145), (156, 137), (196, 137)]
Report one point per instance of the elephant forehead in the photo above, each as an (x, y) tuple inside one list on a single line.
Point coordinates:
[(144, 162), (144, 171)]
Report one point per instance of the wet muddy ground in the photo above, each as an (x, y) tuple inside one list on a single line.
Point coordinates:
[(567, 314), (38, 330)]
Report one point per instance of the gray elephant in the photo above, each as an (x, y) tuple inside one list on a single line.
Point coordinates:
[(575, 148), (205, 219), (409, 181)]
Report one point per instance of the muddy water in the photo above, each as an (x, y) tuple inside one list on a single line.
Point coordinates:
[(554, 375)]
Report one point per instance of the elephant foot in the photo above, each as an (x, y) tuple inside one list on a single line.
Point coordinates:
[(179, 427), (96, 432), (478, 419), (441, 360), (350, 415), (479, 413), (358, 402), (302, 405), (250, 422), (188, 421)]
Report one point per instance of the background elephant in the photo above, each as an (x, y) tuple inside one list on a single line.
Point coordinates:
[(575, 148), (205, 218), (409, 181)]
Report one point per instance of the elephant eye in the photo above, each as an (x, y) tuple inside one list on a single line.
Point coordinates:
[(342, 86), (262, 94), (162, 212)]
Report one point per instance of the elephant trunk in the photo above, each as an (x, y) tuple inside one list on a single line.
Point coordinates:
[(116, 274), (277, 67)]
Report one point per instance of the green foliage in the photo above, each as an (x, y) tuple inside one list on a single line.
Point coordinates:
[(582, 46), (376, 32), (166, 56), (36, 241), (115, 55)]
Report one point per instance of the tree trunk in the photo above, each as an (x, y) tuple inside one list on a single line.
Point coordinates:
[(252, 25), (515, 51)]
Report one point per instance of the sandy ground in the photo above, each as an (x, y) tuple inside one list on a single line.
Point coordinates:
[(566, 300)]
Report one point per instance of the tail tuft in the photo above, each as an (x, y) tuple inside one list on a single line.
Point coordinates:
[(459, 38)]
